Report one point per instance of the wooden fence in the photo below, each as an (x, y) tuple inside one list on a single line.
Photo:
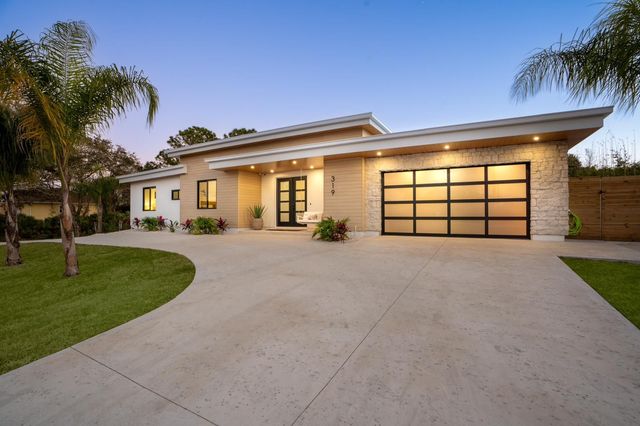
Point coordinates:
[(609, 207)]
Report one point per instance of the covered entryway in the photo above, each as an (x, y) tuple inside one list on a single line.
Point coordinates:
[(291, 200), (476, 201)]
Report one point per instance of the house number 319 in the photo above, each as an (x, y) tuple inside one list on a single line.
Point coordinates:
[(333, 185)]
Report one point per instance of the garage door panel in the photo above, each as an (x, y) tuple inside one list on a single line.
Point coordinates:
[(483, 201), (398, 226)]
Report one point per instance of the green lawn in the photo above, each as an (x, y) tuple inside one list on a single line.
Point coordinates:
[(41, 312), (617, 282)]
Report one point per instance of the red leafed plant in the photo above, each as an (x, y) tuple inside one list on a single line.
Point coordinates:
[(187, 225), (222, 224), (136, 223)]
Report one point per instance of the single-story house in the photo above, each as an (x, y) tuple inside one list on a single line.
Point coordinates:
[(45, 204), (500, 178)]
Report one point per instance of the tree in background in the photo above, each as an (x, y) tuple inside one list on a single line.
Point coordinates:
[(239, 132), (599, 62), (66, 98), (16, 162), (189, 136)]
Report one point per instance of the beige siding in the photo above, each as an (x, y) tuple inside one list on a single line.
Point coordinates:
[(351, 133), (249, 193), (347, 177), (227, 190)]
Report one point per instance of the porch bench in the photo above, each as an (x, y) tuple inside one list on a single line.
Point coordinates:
[(309, 218)]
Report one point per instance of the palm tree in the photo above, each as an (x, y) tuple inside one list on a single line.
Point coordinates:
[(66, 98), (15, 163), (599, 62)]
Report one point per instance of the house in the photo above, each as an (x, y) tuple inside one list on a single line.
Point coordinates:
[(45, 204), (500, 178)]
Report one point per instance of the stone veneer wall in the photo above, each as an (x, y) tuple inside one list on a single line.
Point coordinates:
[(549, 179)]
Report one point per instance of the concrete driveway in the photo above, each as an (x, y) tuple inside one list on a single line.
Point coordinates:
[(277, 329)]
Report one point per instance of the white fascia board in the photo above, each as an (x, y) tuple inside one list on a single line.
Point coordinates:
[(153, 174), (547, 123), (283, 132)]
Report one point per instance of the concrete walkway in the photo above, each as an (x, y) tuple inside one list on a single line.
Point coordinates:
[(277, 329)]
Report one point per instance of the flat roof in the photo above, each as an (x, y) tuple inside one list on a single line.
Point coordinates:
[(153, 174), (569, 125), (365, 119)]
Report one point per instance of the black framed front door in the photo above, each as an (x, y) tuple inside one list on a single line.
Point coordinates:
[(291, 199)]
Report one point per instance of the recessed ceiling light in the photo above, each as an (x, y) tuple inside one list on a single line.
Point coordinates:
[(253, 167), (446, 147), (294, 162), (378, 153), (536, 138), (311, 167), (271, 171)]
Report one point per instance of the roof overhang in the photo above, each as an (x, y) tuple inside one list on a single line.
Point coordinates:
[(153, 174), (367, 120), (571, 126)]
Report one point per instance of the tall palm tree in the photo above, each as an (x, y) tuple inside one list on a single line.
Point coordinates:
[(66, 98), (15, 163), (602, 61)]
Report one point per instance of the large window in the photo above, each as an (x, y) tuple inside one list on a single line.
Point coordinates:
[(207, 198), (149, 198)]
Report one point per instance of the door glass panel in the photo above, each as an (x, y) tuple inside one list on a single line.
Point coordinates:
[(471, 227), (300, 195), (284, 185), (284, 207), (284, 217), (398, 210), (404, 226), (300, 206), (431, 226), (431, 210), (398, 194), (467, 192), (508, 208), (300, 184), (508, 227), (428, 193), (467, 209), (284, 196), (431, 176), (508, 190), (398, 178), (508, 172), (467, 174)]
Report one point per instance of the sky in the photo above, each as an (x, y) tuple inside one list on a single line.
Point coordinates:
[(268, 64)]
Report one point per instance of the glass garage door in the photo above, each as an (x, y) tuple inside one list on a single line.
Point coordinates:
[(477, 201)]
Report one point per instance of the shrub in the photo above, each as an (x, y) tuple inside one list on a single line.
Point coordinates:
[(222, 224), (172, 224), (136, 223), (150, 223), (187, 225), (162, 223), (204, 225), (257, 211), (329, 229)]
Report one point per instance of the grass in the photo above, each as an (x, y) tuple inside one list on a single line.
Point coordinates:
[(617, 282), (41, 312)]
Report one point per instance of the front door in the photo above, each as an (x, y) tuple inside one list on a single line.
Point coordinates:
[(291, 196)]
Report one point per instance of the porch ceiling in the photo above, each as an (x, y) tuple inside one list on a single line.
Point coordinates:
[(281, 166)]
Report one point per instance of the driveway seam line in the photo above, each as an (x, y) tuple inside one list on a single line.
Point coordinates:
[(144, 387), (411, 281)]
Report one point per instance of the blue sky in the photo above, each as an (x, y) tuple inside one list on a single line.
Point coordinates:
[(267, 64)]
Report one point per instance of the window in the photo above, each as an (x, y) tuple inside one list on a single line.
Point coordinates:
[(207, 198), (149, 198), (175, 194)]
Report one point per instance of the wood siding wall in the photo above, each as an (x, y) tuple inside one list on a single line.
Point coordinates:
[(346, 178), (249, 193), (609, 207), (227, 191)]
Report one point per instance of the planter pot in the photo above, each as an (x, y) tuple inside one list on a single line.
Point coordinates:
[(256, 223)]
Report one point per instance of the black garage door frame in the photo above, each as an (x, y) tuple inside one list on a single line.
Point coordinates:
[(449, 184)]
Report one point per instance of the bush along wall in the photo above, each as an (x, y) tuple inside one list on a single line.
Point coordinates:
[(36, 229)]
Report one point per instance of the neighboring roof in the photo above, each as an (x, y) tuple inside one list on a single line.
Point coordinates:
[(555, 125), (153, 174), (366, 119)]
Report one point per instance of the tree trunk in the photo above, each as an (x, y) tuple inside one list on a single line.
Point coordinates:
[(66, 228), (100, 213), (11, 234)]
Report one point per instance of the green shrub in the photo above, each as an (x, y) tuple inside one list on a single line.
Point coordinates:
[(204, 225), (329, 229), (257, 211), (150, 223)]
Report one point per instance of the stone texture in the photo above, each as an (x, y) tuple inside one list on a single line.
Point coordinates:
[(549, 178)]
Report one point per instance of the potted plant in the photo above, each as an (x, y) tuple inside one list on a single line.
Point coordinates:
[(257, 212)]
